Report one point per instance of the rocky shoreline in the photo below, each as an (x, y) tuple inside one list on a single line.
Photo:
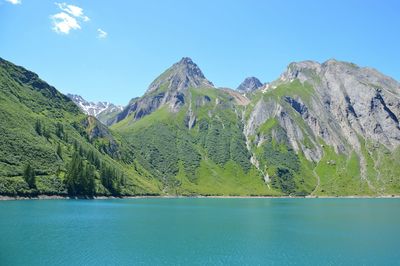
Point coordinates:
[(55, 197)]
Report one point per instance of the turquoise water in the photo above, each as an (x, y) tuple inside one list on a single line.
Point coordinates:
[(200, 232)]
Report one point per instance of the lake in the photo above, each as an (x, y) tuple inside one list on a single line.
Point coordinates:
[(202, 231)]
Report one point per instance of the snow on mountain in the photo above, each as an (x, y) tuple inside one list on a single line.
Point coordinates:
[(94, 108)]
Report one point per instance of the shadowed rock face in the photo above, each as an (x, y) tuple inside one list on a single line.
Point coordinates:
[(249, 84)]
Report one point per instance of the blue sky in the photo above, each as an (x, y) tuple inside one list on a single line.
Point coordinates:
[(112, 50)]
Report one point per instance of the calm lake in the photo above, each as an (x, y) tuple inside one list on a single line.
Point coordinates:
[(205, 231)]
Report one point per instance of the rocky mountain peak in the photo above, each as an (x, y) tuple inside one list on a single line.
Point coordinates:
[(186, 61), (300, 70), (249, 84), (99, 110), (306, 70), (179, 77)]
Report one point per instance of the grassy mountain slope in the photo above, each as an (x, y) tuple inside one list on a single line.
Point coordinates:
[(207, 156), (41, 127)]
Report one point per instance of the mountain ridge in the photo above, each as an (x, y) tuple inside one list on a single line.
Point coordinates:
[(321, 129)]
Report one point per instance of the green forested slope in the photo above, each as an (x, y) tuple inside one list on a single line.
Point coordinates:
[(42, 129), (209, 157)]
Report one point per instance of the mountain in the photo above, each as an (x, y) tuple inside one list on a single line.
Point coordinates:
[(250, 84), (49, 146), (169, 89), (337, 120), (322, 129), (103, 111), (188, 135), (179, 77)]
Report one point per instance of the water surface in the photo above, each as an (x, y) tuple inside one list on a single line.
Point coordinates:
[(202, 231)]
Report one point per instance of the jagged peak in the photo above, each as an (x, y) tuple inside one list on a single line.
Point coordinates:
[(186, 61), (180, 76), (93, 108), (249, 84)]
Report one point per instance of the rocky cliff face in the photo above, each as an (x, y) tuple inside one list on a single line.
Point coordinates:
[(357, 102), (170, 89), (335, 104)]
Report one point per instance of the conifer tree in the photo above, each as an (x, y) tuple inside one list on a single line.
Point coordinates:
[(59, 130), (38, 127), (59, 151), (80, 178), (72, 177), (29, 176), (46, 133)]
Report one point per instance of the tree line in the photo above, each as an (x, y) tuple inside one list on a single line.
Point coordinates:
[(85, 168), (82, 171)]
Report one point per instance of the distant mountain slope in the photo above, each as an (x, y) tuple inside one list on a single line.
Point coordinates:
[(103, 111), (250, 84)]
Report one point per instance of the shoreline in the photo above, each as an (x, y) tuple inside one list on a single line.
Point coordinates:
[(57, 197)]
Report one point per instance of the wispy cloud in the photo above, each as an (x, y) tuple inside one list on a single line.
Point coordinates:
[(14, 2), (101, 34), (75, 11), (67, 20)]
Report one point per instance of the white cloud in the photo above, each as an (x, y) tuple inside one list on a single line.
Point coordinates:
[(63, 23), (69, 19), (75, 11), (101, 34), (14, 2)]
